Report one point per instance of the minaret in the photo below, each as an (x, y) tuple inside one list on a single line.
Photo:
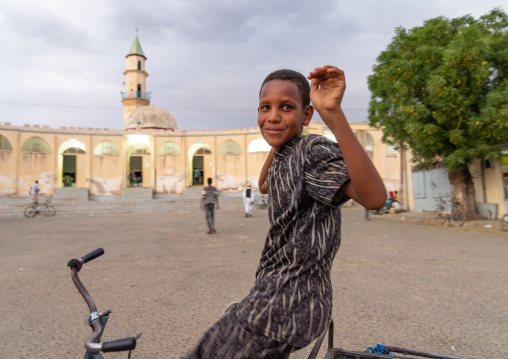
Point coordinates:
[(135, 94)]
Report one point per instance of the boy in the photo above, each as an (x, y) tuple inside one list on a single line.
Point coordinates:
[(307, 179), (34, 191), (210, 202)]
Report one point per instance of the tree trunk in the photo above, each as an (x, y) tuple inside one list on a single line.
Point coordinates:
[(462, 192)]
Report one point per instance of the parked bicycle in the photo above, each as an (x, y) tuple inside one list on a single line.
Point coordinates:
[(443, 213), (36, 208), (263, 202), (504, 223), (97, 320)]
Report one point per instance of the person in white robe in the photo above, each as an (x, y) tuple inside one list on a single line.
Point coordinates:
[(248, 200)]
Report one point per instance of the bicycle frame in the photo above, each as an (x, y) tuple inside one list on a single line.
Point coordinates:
[(339, 353), (96, 319)]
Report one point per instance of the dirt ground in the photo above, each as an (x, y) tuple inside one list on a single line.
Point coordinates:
[(414, 285)]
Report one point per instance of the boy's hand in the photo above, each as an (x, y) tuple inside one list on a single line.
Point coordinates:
[(327, 88)]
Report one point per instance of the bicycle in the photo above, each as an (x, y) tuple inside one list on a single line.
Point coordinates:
[(504, 223), (34, 209), (456, 215), (263, 202), (97, 320), (378, 352)]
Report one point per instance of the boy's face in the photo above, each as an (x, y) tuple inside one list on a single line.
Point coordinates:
[(281, 115)]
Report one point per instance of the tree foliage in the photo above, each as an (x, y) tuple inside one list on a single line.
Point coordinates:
[(442, 90)]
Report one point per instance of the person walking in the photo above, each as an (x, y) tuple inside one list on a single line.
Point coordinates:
[(132, 178), (34, 191), (210, 202), (196, 175), (248, 200)]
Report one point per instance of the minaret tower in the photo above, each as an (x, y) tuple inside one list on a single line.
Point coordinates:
[(135, 94)]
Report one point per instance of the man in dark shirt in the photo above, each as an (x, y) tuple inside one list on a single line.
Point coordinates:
[(307, 178), (209, 200)]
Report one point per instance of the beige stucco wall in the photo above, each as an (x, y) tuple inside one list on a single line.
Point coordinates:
[(34, 166), (107, 175), (170, 169), (493, 182), (106, 169), (8, 165), (230, 170)]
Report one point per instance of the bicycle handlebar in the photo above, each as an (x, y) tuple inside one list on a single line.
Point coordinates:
[(119, 345), (93, 345), (93, 254)]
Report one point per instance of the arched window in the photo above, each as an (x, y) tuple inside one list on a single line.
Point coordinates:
[(229, 147), (199, 148), (73, 151), (139, 65), (391, 150), (106, 147), (5, 145), (366, 141), (169, 148), (259, 145), (138, 149), (35, 144), (203, 151), (72, 147)]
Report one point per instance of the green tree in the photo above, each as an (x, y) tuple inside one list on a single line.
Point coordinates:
[(441, 90)]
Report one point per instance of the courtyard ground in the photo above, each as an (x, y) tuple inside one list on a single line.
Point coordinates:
[(408, 284)]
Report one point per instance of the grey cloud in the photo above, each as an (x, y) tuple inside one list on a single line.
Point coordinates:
[(43, 29)]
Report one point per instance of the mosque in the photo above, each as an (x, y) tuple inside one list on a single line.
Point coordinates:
[(150, 154)]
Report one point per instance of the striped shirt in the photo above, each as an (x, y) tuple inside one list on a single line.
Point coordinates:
[(209, 194), (291, 301)]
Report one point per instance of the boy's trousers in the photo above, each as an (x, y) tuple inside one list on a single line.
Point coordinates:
[(227, 339)]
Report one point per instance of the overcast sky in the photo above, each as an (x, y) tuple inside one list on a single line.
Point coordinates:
[(62, 62)]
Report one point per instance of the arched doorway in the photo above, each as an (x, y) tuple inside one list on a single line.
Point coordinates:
[(71, 163), (200, 163), (138, 156)]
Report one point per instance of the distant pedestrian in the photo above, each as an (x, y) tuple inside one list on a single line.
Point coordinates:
[(132, 178), (196, 175), (248, 200), (210, 202), (34, 191)]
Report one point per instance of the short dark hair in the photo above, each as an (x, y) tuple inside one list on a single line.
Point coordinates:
[(36, 181), (292, 76), (209, 180)]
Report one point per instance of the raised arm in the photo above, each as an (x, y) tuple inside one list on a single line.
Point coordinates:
[(365, 185), (264, 172)]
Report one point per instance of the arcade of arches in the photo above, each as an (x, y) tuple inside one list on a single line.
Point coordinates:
[(106, 162)]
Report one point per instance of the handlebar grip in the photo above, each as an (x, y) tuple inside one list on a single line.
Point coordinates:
[(93, 254), (119, 345)]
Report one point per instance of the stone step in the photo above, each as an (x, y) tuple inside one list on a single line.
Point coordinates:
[(78, 208)]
